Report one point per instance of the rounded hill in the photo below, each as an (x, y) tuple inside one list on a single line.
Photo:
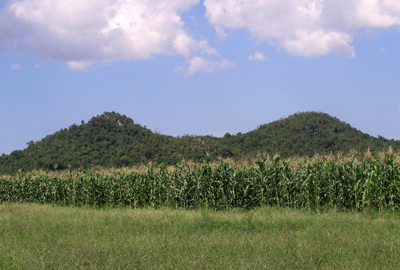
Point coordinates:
[(114, 140)]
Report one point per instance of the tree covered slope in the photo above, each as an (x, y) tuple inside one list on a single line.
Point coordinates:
[(114, 140), (305, 134)]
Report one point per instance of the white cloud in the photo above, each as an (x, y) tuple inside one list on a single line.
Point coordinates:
[(317, 43), (198, 64), (220, 32), (304, 27), (80, 33), (79, 65), (257, 56), (15, 66), (36, 66)]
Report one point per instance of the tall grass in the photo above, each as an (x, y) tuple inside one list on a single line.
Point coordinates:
[(342, 182), (45, 237)]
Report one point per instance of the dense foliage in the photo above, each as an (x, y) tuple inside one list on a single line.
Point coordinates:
[(114, 140), (307, 134), (328, 181)]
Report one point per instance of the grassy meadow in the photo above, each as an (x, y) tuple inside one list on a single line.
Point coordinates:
[(36, 236), (325, 212)]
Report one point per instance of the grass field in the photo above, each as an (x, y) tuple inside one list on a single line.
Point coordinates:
[(51, 237)]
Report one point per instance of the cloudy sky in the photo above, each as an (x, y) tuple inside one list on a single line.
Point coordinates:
[(197, 67)]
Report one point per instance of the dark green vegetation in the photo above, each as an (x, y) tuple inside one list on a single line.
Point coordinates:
[(322, 182), (46, 237), (112, 140)]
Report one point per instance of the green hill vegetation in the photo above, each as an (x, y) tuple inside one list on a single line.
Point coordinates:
[(114, 140)]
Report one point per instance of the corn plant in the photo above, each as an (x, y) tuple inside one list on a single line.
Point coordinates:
[(324, 181)]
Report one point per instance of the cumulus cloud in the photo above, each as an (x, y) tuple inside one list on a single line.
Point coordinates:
[(304, 27), (199, 64), (257, 56), (79, 64), (80, 33)]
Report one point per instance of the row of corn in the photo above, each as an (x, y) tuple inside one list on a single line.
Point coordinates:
[(327, 181)]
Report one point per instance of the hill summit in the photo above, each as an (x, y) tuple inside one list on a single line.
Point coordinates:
[(114, 140)]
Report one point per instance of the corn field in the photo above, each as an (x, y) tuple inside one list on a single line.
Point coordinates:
[(350, 182)]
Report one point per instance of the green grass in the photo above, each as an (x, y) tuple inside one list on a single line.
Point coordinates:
[(47, 237)]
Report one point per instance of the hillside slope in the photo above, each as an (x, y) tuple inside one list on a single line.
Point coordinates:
[(305, 134), (114, 140)]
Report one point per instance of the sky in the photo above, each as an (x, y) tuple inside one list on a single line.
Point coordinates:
[(197, 66)]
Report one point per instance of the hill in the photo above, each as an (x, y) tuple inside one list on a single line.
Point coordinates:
[(114, 140), (305, 134)]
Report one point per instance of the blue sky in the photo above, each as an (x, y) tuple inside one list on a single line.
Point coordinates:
[(196, 67)]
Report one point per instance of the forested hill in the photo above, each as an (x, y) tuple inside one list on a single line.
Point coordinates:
[(305, 134), (114, 140)]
